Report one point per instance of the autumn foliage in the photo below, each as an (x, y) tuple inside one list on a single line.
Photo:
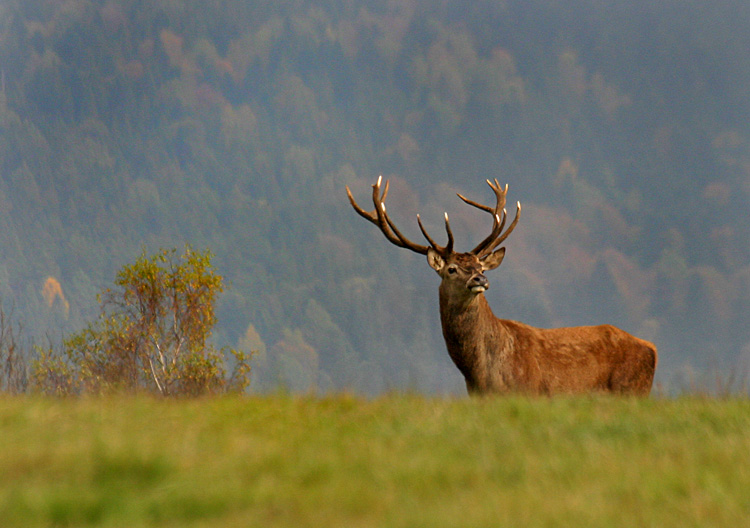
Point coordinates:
[(152, 335)]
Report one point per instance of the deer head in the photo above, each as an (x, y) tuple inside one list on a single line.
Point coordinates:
[(462, 273)]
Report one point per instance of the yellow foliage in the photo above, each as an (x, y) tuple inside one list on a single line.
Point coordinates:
[(51, 291)]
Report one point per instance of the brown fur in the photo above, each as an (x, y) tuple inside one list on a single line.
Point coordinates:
[(497, 355)]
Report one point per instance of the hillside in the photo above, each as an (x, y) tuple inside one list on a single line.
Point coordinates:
[(623, 129)]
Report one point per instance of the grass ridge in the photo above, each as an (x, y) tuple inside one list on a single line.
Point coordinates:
[(396, 460)]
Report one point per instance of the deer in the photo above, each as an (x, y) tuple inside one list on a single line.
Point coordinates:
[(499, 356)]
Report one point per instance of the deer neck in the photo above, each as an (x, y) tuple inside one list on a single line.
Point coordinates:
[(468, 324)]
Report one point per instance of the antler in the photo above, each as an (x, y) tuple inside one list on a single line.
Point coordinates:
[(380, 218), (496, 236)]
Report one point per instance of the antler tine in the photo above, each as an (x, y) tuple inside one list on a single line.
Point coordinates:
[(376, 189), (380, 218), (510, 229), (425, 233), (499, 195), (448, 249), (498, 222), (402, 240), (361, 212)]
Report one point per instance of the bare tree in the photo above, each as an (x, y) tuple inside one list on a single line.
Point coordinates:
[(13, 365)]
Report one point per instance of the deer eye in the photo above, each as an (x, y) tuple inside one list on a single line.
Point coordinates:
[(451, 270)]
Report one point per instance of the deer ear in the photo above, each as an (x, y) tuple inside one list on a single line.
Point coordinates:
[(434, 259), (493, 260)]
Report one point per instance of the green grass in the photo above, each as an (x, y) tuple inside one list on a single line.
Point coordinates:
[(393, 461)]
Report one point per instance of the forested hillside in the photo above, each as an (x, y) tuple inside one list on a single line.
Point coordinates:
[(622, 127)]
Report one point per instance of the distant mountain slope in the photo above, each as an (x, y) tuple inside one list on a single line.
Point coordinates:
[(235, 126)]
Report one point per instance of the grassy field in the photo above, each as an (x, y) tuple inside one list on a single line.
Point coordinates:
[(393, 461)]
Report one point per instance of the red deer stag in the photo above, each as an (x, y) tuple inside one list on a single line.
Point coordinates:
[(500, 356)]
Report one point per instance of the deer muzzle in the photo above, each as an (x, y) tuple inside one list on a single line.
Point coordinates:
[(478, 283)]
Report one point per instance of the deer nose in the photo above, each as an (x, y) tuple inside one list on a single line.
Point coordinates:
[(478, 283)]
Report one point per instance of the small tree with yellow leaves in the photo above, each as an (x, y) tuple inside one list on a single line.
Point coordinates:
[(152, 335)]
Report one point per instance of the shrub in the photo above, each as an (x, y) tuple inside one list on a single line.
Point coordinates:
[(152, 335)]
